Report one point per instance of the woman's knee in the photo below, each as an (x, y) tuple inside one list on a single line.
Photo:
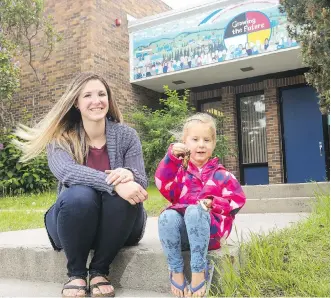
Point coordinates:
[(78, 197), (118, 204)]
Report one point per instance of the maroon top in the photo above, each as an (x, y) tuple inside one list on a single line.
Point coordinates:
[(98, 159)]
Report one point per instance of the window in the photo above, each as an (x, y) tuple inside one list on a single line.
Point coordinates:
[(253, 129), (253, 140), (213, 107)]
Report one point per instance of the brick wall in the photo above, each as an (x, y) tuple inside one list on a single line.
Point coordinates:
[(229, 108), (274, 148), (90, 42), (227, 92), (109, 49)]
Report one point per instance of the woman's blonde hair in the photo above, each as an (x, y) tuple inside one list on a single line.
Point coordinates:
[(200, 118), (63, 123)]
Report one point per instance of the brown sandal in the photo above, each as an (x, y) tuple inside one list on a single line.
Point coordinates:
[(101, 283), (74, 287)]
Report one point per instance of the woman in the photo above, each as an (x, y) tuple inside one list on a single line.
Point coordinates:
[(98, 162)]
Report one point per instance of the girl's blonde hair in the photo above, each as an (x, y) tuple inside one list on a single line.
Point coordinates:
[(200, 118), (63, 123)]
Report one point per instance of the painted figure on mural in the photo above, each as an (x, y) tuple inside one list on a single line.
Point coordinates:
[(266, 44)]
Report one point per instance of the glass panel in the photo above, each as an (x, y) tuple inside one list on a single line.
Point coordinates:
[(253, 129), (214, 109)]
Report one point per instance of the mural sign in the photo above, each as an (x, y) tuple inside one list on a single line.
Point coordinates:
[(240, 30)]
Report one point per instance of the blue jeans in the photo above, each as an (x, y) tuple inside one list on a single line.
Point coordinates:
[(191, 231), (83, 219)]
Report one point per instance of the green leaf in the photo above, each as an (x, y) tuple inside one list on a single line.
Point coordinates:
[(36, 177)]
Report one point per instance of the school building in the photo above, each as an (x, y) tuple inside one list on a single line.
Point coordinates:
[(235, 57)]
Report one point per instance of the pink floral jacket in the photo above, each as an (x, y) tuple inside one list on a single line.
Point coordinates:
[(186, 187)]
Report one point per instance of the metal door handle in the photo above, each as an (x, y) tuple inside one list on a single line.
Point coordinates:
[(320, 146)]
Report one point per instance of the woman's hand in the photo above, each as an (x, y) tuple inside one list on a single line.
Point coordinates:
[(179, 150), (119, 175), (132, 192)]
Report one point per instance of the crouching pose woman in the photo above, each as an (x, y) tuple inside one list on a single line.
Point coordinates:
[(99, 164)]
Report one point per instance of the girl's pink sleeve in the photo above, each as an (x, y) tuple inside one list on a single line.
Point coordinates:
[(232, 199), (168, 177)]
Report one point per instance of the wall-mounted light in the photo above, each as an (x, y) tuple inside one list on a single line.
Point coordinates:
[(178, 82), (249, 68)]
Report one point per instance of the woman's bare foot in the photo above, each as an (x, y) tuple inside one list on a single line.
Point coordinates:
[(106, 289), (75, 292), (197, 279), (179, 279)]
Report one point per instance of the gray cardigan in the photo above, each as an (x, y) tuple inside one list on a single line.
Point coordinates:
[(124, 151)]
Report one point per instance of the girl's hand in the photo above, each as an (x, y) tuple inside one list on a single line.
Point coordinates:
[(206, 204), (119, 175), (179, 150), (132, 192)]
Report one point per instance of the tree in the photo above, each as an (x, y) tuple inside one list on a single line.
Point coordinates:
[(9, 76), (25, 33), (310, 26)]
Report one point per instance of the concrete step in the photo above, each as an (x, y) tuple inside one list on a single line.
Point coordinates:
[(27, 255), (256, 192), (279, 205), (22, 288)]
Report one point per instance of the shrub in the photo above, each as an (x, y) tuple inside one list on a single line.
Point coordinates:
[(159, 128), (17, 178)]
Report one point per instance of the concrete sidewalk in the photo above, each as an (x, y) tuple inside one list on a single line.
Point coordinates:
[(22, 288), (27, 255)]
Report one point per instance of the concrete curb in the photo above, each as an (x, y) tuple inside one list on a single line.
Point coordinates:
[(286, 190), (278, 205), (27, 255)]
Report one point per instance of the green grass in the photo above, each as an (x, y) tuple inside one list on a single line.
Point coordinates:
[(24, 212), (292, 262), (27, 211), (155, 203), (28, 202)]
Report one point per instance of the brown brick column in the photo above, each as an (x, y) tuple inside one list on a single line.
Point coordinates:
[(231, 162), (274, 149)]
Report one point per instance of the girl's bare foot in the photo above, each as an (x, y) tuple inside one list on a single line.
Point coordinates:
[(179, 279), (197, 279)]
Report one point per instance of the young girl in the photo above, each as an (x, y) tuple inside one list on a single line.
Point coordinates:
[(204, 198)]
